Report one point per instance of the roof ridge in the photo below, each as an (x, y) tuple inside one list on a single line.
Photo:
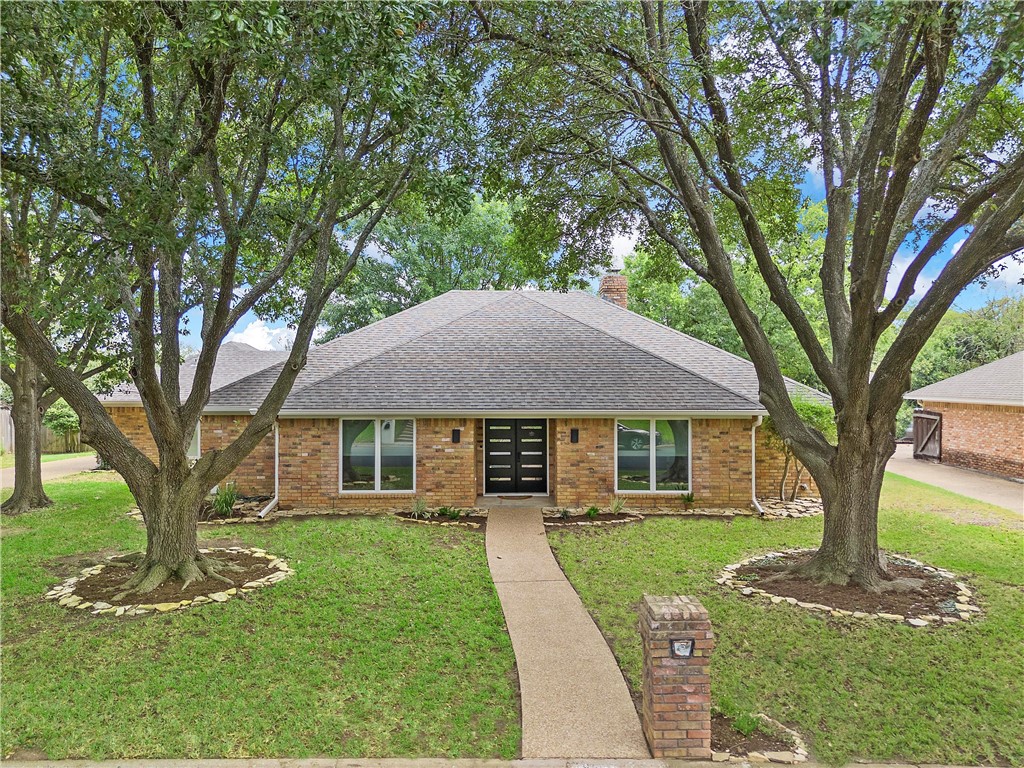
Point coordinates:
[(646, 351), (401, 344)]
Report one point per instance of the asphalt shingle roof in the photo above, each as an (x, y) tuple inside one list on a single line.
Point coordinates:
[(235, 360), (501, 351), (1000, 382)]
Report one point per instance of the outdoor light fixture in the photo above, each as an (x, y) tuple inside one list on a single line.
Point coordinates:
[(456, 435), (574, 435), (681, 649)]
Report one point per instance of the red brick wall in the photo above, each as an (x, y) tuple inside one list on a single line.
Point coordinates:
[(770, 461), (446, 472), (584, 472), (253, 477), (989, 438)]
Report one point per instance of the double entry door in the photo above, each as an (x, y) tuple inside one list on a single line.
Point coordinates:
[(516, 456)]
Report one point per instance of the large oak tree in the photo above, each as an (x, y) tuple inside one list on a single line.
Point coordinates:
[(244, 155), (704, 118)]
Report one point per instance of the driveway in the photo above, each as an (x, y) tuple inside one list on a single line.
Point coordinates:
[(52, 470), (976, 485)]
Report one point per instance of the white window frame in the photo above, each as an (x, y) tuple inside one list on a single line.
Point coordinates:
[(199, 443), (653, 450), (376, 457)]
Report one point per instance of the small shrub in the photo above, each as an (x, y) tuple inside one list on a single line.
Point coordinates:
[(224, 500), (450, 512), (419, 509), (687, 497), (592, 513), (746, 724), (564, 513), (618, 504)]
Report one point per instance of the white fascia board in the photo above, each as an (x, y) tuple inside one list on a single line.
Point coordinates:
[(961, 400), (478, 414)]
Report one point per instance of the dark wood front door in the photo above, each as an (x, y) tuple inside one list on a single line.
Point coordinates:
[(516, 456)]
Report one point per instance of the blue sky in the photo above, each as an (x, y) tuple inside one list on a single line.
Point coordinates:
[(275, 334)]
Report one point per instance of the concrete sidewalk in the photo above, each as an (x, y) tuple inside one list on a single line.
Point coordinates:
[(423, 762), (52, 470), (976, 485), (574, 699)]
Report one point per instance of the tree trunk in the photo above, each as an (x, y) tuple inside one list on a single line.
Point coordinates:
[(171, 512), (28, 433), (796, 482), (849, 552)]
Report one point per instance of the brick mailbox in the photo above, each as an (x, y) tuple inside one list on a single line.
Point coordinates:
[(676, 709)]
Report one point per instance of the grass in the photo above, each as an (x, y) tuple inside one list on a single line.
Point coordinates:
[(388, 641), (7, 459), (873, 691)]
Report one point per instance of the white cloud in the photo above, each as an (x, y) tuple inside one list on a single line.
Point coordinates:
[(622, 244), (958, 244), (260, 335), (896, 272), (1011, 275)]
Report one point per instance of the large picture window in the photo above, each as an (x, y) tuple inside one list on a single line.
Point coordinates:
[(652, 455), (378, 455)]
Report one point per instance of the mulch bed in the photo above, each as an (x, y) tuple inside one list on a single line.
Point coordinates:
[(245, 506), (103, 586), (725, 738), (602, 517), (936, 596)]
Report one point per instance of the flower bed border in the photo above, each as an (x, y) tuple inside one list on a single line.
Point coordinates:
[(966, 604), (561, 522), (64, 594), (796, 754)]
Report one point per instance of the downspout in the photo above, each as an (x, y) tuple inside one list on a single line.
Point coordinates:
[(277, 457), (753, 465)]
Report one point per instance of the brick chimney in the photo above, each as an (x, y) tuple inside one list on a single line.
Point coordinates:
[(614, 288)]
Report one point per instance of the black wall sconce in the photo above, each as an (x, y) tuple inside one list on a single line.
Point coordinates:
[(574, 435), (456, 435)]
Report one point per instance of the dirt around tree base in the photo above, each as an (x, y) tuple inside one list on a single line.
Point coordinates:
[(725, 737), (97, 586), (940, 599)]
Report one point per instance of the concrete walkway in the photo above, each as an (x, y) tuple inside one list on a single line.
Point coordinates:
[(575, 702), (976, 485), (52, 470)]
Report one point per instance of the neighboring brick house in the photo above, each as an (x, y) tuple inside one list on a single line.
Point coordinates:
[(567, 396), (975, 419)]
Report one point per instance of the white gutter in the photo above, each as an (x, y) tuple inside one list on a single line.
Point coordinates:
[(277, 454), (753, 465), (466, 413)]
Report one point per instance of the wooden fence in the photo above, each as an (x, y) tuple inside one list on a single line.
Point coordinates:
[(52, 442)]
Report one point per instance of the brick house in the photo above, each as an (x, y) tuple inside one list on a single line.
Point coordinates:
[(565, 396), (975, 420)]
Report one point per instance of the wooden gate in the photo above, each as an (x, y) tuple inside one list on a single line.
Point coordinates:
[(927, 435)]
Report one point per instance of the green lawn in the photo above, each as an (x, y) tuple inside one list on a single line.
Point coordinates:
[(858, 690), (7, 459), (388, 641)]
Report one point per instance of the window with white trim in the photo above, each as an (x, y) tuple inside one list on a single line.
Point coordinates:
[(652, 455), (377, 455), (193, 447)]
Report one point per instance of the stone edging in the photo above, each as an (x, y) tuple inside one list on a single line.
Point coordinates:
[(797, 753), (965, 606), (457, 523), (63, 593), (777, 509), (560, 522)]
